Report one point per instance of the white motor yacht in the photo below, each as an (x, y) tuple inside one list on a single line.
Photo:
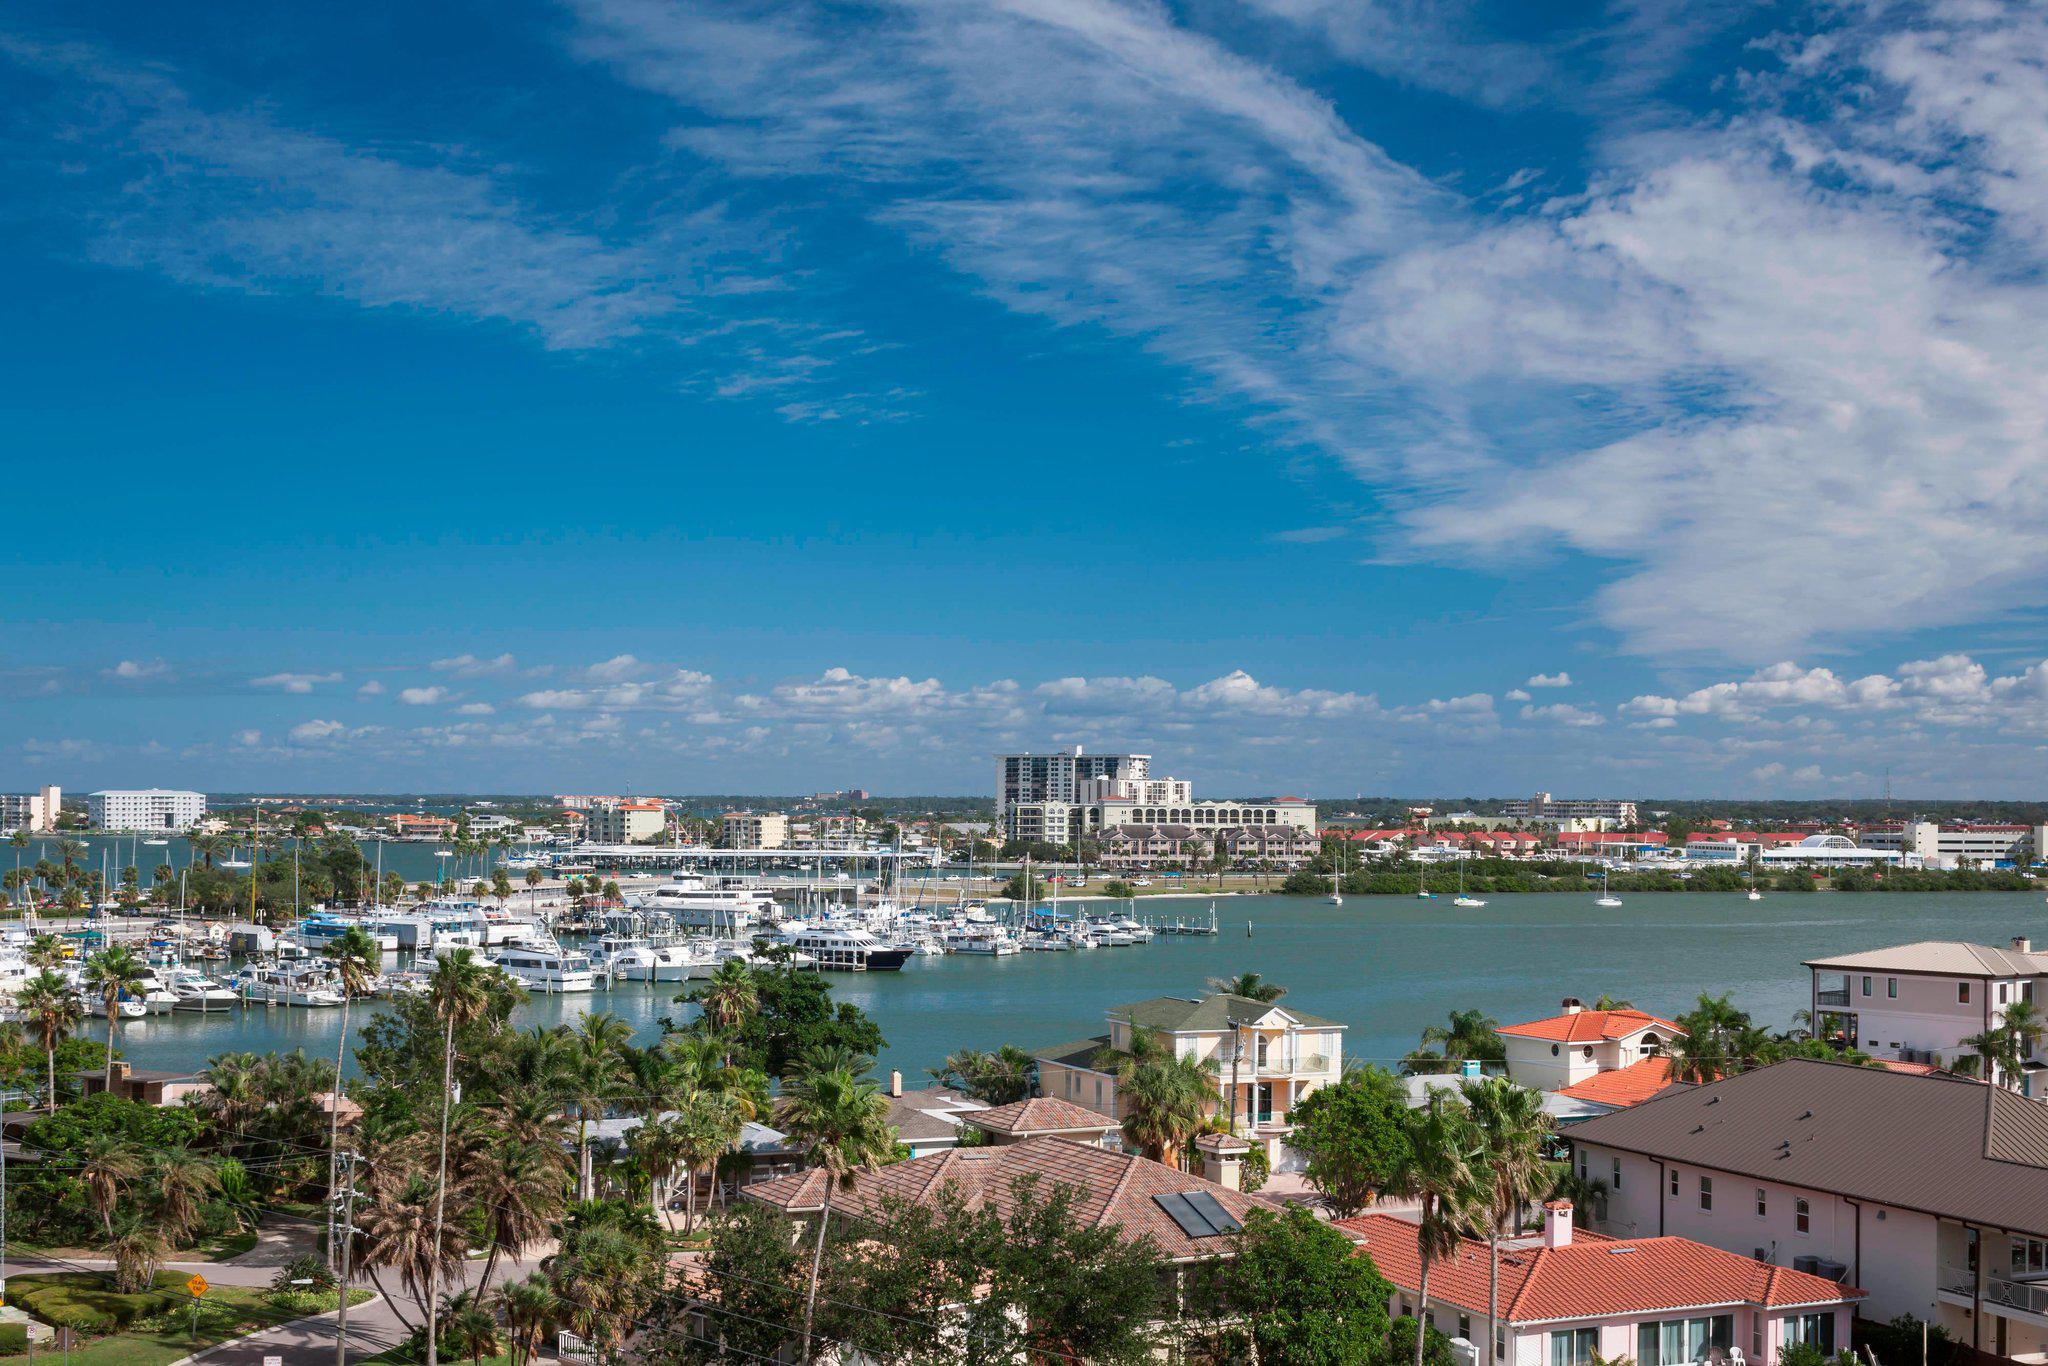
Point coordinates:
[(631, 959), (543, 966), (991, 940), (281, 984), (194, 990)]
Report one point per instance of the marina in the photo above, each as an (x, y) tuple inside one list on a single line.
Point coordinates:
[(1385, 964)]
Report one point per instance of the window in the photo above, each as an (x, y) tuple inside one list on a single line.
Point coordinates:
[(1582, 1164), (1802, 1216), (1963, 993), (1674, 1180), (1573, 1346), (1676, 1342), (1762, 1206), (1465, 1326), (1891, 987), (2029, 1256), (1706, 1192), (1866, 986), (1616, 1183), (2001, 994), (1555, 1050), (1587, 1053), (1816, 1329)]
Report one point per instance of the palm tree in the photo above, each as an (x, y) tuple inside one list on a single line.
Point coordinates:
[(1988, 1055), (1165, 1097), (523, 1189), (2025, 1027), (728, 998), (48, 1007), (597, 1062), (47, 951), (529, 1306), (842, 1121), (113, 972), (1437, 1173), (106, 1164), (137, 1250), (1712, 1044), (1511, 1127), (355, 959), (1249, 985), (1607, 1002), (470, 1328), (206, 846), (401, 1230), (1466, 1034), (180, 1183), (460, 991)]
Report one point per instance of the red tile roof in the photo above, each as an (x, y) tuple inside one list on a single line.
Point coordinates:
[(1624, 1086), (1115, 1190), (1587, 1026), (1592, 1276), (1040, 1115)]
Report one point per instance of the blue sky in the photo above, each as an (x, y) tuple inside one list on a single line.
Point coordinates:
[(1324, 395)]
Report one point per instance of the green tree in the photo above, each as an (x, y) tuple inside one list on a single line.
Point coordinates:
[(1512, 1128), (1305, 1293), (1165, 1097), (52, 1012), (1466, 1035), (529, 1306), (842, 1121), (460, 993), (998, 1078), (113, 972), (1438, 1175), (1249, 985), (597, 1054), (1356, 1137)]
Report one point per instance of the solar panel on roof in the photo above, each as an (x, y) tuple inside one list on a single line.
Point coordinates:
[(1212, 1209)]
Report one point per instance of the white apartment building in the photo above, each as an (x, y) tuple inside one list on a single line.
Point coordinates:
[(1953, 846), (1058, 777), (624, 822), (1544, 807), (152, 808), (1929, 1192), (754, 830), (1154, 791), (31, 811), (1064, 822), (1916, 1003)]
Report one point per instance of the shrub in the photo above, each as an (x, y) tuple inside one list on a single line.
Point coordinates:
[(13, 1338), (304, 1267), (86, 1300)]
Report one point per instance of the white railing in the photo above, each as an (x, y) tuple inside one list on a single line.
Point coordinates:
[(2026, 1296)]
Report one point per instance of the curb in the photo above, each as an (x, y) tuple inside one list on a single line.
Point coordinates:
[(200, 1356)]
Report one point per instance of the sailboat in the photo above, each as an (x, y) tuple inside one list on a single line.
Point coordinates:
[(1336, 873), (1754, 894), (1606, 898), (1461, 899), (1422, 882)]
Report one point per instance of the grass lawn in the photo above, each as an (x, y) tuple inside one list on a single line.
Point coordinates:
[(163, 1319), (220, 1249)]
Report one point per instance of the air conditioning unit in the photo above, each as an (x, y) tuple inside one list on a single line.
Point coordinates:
[(1820, 1266)]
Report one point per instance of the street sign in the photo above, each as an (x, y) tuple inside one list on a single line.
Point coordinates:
[(197, 1285), (273, 1361)]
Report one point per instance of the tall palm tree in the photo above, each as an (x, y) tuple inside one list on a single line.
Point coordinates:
[(1249, 985), (106, 1165), (598, 1065), (728, 998), (19, 839), (47, 951), (1437, 1173), (1713, 1042), (355, 958), (842, 1121), (51, 1012), (1466, 1034), (1511, 1127), (1988, 1054), (2024, 1027), (113, 972), (523, 1189), (180, 1183), (1165, 1098), (460, 991)]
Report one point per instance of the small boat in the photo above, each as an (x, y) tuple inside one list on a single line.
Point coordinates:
[(194, 990), (1606, 898), (1461, 899), (157, 844)]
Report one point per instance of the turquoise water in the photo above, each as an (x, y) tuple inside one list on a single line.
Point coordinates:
[(1386, 966)]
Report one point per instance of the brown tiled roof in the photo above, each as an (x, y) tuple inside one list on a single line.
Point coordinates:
[(1040, 1115), (1592, 1276), (1939, 1144), (1115, 1189), (921, 1116)]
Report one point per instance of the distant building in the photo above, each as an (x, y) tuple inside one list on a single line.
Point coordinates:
[(1951, 846), (1832, 851), (1917, 1003), (31, 811), (1058, 777), (584, 803), (1579, 1044), (408, 826), (624, 822), (754, 830), (152, 808), (1544, 807)]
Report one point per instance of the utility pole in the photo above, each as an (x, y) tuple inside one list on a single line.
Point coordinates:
[(348, 1243)]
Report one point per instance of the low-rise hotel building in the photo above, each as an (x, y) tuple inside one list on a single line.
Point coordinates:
[(754, 830), (1959, 845), (31, 811), (626, 822), (1546, 808), (149, 808)]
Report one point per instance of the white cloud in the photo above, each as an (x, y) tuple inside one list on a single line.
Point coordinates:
[(293, 683), (136, 670), (470, 666), (248, 738), (476, 709), (315, 731), (371, 689), (1516, 695), (549, 698), (423, 697), (1560, 679), (1564, 714)]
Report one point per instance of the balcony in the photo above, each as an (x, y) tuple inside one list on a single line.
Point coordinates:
[(2026, 1297), (1833, 996), (1249, 1067)]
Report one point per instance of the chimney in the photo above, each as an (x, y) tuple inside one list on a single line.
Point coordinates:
[(120, 1071), (2022, 944), (1471, 1070), (1573, 1005), (895, 1083), (1223, 1159), (1557, 1223)]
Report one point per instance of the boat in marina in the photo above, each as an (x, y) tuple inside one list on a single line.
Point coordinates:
[(193, 990), (322, 928), (1606, 898), (286, 984), (636, 959), (1462, 899), (845, 948), (991, 940), (722, 907), (542, 965)]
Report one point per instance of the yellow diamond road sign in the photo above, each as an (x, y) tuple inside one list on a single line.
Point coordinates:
[(197, 1285)]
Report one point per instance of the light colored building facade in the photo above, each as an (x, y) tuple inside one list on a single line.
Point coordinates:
[(31, 811), (1928, 1192), (1058, 777), (624, 822), (152, 808), (1544, 807), (1568, 1295), (1831, 851), (1267, 1058), (1957, 846), (754, 830), (1917, 1003), (1580, 1044)]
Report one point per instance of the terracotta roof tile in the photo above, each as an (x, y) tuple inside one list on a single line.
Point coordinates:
[(1588, 1026), (1624, 1086), (1592, 1276), (1040, 1115)]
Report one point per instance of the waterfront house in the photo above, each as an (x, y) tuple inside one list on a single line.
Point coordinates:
[(1044, 1117), (929, 1120), (1916, 1003), (1132, 1196), (1265, 1057), (1929, 1192), (1578, 1044), (1567, 1294)]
